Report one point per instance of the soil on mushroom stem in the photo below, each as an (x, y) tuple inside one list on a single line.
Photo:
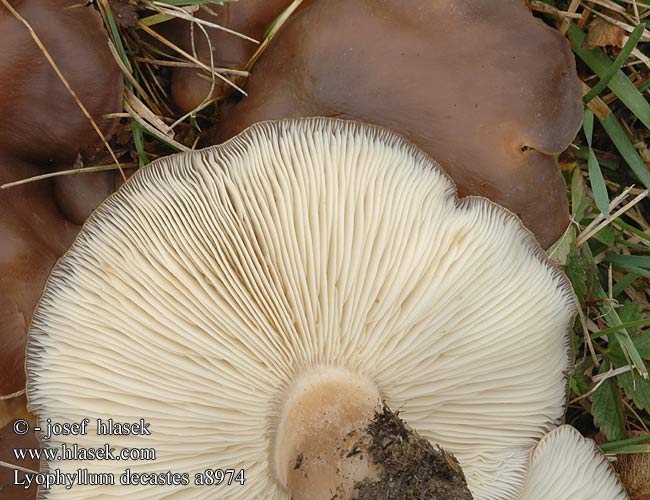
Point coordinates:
[(412, 469)]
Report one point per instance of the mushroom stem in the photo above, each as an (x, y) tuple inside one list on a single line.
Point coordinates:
[(319, 450)]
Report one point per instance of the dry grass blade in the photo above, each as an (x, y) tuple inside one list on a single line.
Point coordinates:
[(153, 130), (277, 25), (74, 95), (146, 114), (7, 465), (573, 7), (12, 395), (83, 170), (590, 231), (129, 76), (176, 48), (539, 6), (180, 13)]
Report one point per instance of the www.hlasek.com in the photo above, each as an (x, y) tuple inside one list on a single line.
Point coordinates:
[(68, 451)]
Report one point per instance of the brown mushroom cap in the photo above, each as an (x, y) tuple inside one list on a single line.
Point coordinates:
[(41, 120), (42, 124), (482, 86), (34, 235), (8, 442)]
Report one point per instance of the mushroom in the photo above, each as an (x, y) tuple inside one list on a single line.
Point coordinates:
[(33, 235), (231, 296), (483, 87), (564, 465), (43, 123), (9, 441), (43, 126)]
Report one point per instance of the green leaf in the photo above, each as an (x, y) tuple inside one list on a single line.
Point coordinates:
[(560, 251), (630, 312), (155, 19), (598, 186), (627, 49), (579, 383), (138, 141), (634, 449), (606, 235), (642, 343), (636, 388), (620, 84), (579, 202), (576, 270), (607, 408), (611, 316)]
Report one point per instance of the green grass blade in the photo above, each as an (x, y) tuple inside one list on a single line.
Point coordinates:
[(612, 318), (618, 328), (624, 89), (616, 446), (627, 49), (626, 148), (596, 179), (624, 282), (628, 261)]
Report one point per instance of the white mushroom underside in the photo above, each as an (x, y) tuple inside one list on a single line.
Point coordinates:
[(565, 466), (201, 290)]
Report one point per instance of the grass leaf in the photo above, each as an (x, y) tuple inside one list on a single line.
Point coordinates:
[(627, 49), (626, 148), (630, 261), (599, 63), (598, 186), (607, 408)]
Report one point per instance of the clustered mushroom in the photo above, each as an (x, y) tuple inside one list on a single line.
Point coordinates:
[(43, 128), (565, 465), (257, 301), (245, 297)]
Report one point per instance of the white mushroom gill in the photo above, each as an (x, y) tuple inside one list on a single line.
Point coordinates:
[(564, 465), (213, 282)]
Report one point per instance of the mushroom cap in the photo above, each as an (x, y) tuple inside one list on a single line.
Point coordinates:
[(566, 465), (33, 235), (212, 281), (480, 85), (42, 121), (8, 442)]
